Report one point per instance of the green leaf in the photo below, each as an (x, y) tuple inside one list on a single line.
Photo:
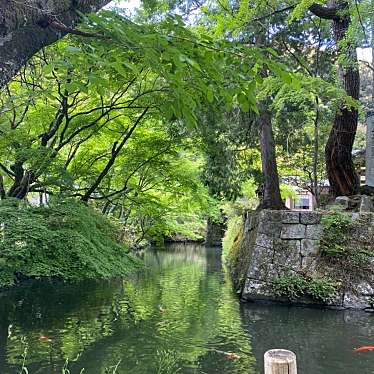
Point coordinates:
[(243, 102), (210, 95), (72, 49)]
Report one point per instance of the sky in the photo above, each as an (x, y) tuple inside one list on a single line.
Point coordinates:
[(126, 4)]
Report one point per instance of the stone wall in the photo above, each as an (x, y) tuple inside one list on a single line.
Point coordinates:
[(214, 233), (276, 243)]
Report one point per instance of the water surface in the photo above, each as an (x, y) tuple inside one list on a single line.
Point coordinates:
[(178, 316)]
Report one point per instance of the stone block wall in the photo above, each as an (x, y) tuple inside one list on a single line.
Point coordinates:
[(276, 243), (214, 233), (282, 241)]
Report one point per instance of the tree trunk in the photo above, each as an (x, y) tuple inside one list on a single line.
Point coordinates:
[(372, 56), (271, 193), (22, 181), (339, 164), (315, 187), (25, 28), (271, 197), (338, 152)]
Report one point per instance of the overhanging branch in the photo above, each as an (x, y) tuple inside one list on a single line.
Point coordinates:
[(326, 12)]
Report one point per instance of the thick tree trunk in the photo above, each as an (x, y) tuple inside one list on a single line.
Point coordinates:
[(315, 188), (339, 164), (25, 28), (271, 197), (340, 168), (372, 57), (271, 193)]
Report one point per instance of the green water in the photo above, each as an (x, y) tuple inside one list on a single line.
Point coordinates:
[(178, 316)]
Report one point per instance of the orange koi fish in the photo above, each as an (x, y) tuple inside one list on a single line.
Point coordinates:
[(364, 348), (228, 355), (231, 355), (44, 339)]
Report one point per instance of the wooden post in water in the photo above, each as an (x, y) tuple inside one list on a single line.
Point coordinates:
[(280, 361)]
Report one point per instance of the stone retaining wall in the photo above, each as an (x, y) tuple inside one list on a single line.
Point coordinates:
[(214, 233), (280, 242)]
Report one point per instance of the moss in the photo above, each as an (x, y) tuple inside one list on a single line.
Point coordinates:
[(234, 225), (336, 228), (239, 256)]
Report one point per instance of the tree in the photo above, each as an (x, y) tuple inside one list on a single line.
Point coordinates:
[(339, 164), (28, 26), (271, 197), (75, 121)]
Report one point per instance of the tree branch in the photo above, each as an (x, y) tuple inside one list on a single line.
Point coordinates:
[(69, 30), (115, 151), (324, 12), (278, 11)]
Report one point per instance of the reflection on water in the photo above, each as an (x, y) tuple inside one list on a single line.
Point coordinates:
[(177, 316)]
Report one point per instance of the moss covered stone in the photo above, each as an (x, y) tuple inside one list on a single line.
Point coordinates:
[(329, 262)]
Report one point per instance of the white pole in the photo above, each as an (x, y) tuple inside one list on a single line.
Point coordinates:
[(280, 361)]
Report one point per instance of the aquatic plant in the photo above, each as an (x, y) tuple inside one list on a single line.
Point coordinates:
[(167, 362)]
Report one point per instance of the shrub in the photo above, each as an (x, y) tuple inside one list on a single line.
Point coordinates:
[(67, 240), (290, 285), (322, 289), (294, 286), (336, 226)]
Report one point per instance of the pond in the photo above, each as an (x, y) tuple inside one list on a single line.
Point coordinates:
[(178, 316)]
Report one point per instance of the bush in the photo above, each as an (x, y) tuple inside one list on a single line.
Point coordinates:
[(289, 285), (336, 226), (67, 240), (294, 286), (322, 289)]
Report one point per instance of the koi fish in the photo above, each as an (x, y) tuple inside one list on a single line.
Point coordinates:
[(231, 355), (43, 338), (364, 348), (228, 355)]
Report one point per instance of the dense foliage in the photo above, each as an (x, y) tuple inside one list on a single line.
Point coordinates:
[(65, 240), (179, 113), (347, 249)]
